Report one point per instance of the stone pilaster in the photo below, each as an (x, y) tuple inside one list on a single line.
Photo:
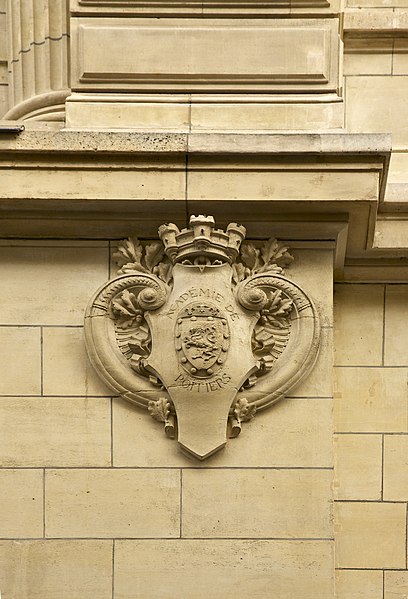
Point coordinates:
[(38, 59)]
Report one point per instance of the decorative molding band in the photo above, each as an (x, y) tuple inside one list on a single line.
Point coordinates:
[(199, 8), (46, 107), (201, 332), (372, 23)]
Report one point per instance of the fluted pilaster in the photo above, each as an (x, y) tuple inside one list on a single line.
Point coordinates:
[(38, 58)]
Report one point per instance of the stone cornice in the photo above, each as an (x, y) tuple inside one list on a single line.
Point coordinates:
[(304, 187)]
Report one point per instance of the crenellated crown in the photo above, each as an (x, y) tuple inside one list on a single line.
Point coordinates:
[(202, 243)]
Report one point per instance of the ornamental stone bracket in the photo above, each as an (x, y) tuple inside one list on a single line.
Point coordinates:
[(195, 321)]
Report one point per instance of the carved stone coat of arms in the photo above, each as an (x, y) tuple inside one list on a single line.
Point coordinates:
[(202, 329)]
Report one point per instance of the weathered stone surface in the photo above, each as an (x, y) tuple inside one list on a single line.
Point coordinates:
[(20, 366), (364, 584), (395, 468), (371, 400), (266, 503), (396, 327), (358, 471), (126, 162), (356, 344), (57, 431), (66, 369), (112, 503), (21, 498), (42, 277), (396, 585), (197, 568), (370, 535), (48, 569)]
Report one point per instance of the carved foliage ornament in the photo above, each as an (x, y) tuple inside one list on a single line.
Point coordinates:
[(202, 331)]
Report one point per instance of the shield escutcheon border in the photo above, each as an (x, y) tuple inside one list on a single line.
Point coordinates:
[(202, 314)]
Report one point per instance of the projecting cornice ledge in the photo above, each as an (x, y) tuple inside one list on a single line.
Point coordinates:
[(304, 188)]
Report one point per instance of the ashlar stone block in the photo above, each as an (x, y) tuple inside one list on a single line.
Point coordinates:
[(112, 503), (359, 584), (396, 585), (21, 500), (55, 432), (355, 343), (369, 102), (358, 466), (396, 325), (370, 400), (396, 467), (199, 569), (67, 370), (313, 270), (49, 569), (363, 58), (20, 366), (59, 279), (370, 535), (257, 503)]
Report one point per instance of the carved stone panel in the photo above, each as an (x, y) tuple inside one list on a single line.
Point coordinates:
[(197, 322), (212, 57)]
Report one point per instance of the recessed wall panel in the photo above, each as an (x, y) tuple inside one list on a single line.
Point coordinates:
[(213, 56)]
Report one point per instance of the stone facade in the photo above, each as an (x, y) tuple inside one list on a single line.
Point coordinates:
[(287, 118)]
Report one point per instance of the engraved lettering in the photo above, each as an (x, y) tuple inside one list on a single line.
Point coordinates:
[(211, 294), (230, 309), (186, 382)]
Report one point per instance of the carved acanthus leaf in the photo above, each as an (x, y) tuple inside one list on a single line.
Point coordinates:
[(132, 333), (243, 410), (275, 254), (126, 310), (271, 257), (160, 409), (132, 256), (277, 310), (154, 253), (272, 330), (251, 257), (129, 256), (164, 270), (239, 272)]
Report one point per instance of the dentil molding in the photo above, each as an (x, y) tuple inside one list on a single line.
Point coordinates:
[(202, 330)]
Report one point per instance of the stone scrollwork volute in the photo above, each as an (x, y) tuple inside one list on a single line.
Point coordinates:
[(202, 329)]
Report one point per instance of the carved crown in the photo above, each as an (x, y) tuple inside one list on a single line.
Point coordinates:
[(202, 243)]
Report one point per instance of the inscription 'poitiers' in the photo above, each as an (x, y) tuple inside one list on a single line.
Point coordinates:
[(218, 383)]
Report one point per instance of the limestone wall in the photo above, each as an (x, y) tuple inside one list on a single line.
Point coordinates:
[(371, 441), (97, 502)]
